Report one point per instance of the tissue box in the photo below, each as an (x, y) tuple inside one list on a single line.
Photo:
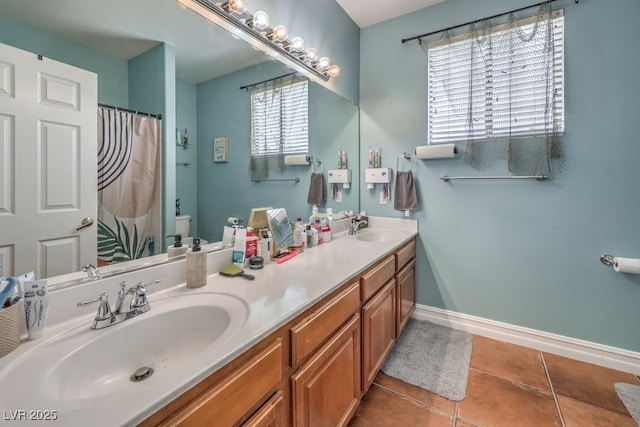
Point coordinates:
[(10, 328)]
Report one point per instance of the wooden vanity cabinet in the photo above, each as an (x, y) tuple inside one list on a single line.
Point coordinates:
[(271, 414), (405, 284), (388, 298), (405, 295), (313, 370), (325, 350), (229, 401), (378, 331), (326, 390)]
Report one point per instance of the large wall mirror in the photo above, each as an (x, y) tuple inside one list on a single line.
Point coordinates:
[(210, 68)]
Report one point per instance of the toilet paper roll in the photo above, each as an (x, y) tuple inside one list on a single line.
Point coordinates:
[(438, 151), (297, 159), (626, 265)]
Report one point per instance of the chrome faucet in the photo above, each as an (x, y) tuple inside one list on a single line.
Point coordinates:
[(92, 271), (129, 303), (356, 225)]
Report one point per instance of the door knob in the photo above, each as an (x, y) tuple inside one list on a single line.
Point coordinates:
[(86, 222)]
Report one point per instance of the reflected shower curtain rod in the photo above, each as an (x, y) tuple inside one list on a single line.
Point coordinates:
[(247, 87), (128, 110), (477, 20)]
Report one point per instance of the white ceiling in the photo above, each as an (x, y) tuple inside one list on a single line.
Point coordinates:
[(126, 28), (369, 12)]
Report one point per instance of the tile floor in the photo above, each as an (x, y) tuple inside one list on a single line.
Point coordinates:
[(509, 386)]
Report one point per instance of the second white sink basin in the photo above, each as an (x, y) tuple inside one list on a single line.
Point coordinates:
[(378, 235)]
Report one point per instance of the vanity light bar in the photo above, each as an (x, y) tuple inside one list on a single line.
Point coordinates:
[(257, 39)]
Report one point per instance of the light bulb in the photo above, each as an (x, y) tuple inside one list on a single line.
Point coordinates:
[(311, 55), (334, 71), (297, 44), (280, 33), (323, 63), (260, 20), (236, 6)]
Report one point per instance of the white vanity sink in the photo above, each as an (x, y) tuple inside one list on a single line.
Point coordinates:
[(378, 235), (90, 366)]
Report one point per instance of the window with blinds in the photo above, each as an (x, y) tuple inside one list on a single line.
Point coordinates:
[(280, 119), (496, 85)]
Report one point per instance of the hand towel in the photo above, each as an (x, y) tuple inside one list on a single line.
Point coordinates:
[(405, 199), (317, 190)]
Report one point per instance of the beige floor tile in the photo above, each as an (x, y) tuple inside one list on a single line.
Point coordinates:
[(586, 382), (494, 401), (579, 414), (383, 408), (509, 361)]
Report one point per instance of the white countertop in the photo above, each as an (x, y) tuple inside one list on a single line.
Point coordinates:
[(279, 293)]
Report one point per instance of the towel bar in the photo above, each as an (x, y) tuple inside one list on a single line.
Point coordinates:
[(446, 178), (296, 179)]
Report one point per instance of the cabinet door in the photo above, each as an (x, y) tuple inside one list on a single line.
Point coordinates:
[(406, 296), (378, 331), (326, 389), (271, 414)]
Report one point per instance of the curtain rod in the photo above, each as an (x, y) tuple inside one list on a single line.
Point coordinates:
[(128, 110), (266, 81), (477, 20)]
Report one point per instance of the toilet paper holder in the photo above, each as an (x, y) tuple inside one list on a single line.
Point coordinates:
[(607, 260)]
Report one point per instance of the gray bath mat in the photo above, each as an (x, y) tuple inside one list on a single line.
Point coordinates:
[(630, 396), (433, 357)]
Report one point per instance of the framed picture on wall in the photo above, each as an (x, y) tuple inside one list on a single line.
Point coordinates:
[(220, 149)]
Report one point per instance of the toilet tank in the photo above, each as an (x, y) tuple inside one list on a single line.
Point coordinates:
[(183, 222)]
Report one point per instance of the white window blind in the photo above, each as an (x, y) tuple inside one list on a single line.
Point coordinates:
[(497, 86), (280, 119)]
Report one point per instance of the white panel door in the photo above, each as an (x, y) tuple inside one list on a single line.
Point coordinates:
[(48, 164)]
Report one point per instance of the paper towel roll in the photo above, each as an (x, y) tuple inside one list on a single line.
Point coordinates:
[(626, 265), (297, 159), (438, 151)]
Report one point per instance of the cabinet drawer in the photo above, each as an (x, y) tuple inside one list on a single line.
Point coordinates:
[(377, 277), (227, 402), (313, 330), (405, 253)]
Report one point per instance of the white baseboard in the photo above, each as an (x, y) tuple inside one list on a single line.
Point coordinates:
[(584, 351)]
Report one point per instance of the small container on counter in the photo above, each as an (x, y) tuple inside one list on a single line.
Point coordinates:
[(196, 266)]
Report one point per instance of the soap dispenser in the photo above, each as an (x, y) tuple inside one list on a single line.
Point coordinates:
[(196, 266), (178, 248)]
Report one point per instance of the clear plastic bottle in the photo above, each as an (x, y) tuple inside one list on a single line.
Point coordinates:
[(309, 236), (314, 237), (318, 227), (298, 229)]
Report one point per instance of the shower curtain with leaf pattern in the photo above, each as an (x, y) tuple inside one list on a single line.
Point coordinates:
[(129, 186)]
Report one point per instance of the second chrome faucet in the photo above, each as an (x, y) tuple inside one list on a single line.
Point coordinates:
[(129, 303)]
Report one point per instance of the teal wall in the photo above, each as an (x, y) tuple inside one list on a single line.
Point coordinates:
[(112, 72), (152, 88), (226, 189), (523, 252), (186, 176)]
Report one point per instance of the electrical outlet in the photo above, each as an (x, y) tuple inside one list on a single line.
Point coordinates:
[(338, 196)]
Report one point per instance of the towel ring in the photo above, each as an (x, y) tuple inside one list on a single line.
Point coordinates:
[(406, 156), (318, 161)]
